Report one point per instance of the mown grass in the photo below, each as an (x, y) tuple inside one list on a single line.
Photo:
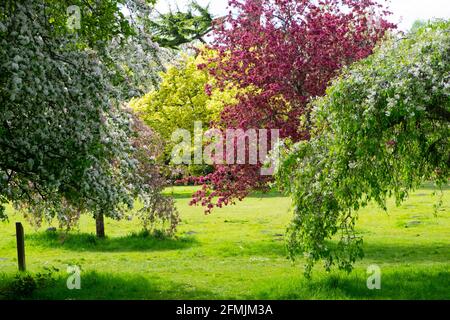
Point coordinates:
[(238, 253)]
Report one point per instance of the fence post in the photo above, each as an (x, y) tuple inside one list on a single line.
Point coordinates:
[(20, 246)]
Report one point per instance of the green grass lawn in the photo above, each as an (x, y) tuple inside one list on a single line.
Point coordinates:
[(239, 253)]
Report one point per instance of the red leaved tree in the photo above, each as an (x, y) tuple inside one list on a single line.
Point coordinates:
[(282, 53)]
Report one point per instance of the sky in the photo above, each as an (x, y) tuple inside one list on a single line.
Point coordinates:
[(405, 12)]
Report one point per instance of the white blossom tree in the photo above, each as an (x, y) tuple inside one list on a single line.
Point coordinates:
[(67, 144), (381, 130)]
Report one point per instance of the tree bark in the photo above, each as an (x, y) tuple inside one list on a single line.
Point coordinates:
[(100, 225)]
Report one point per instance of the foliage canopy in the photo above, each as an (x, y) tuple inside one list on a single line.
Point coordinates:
[(174, 29), (68, 146), (280, 54), (183, 97), (381, 130)]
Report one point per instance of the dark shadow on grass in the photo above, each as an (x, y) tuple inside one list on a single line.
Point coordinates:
[(89, 242), (377, 253), (411, 284), (177, 194), (416, 283), (96, 285), (414, 252), (430, 186), (270, 194), (188, 195)]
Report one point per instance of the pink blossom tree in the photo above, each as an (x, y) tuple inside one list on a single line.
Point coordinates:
[(281, 53)]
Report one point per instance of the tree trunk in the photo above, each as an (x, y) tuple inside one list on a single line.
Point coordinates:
[(100, 225)]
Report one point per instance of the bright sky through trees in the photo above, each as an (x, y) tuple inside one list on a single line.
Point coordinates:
[(405, 11)]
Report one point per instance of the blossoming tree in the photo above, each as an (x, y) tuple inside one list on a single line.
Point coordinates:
[(281, 54), (67, 145), (381, 130)]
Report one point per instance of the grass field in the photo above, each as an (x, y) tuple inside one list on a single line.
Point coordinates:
[(239, 253)]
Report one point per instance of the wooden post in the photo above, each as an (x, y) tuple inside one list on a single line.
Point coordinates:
[(20, 246)]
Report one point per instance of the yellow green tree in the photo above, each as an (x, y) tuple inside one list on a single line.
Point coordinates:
[(182, 98)]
